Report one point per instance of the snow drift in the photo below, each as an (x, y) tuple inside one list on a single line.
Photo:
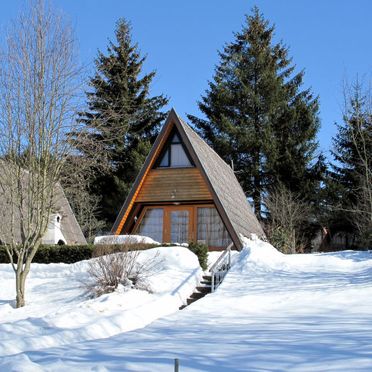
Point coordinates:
[(273, 312), (59, 312)]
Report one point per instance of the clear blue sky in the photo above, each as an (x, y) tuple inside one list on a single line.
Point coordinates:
[(329, 39)]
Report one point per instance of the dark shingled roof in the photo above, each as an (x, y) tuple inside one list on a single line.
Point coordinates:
[(225, 185), (228, 195), (69, 226)]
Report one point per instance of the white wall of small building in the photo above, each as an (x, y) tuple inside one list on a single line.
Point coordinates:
[(53, 234)]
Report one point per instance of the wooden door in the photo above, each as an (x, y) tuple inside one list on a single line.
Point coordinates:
[(178, 224)]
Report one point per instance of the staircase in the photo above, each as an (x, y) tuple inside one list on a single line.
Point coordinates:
[(209, 283), (204, 287)]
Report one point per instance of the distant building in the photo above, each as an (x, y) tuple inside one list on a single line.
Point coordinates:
[(63, 227)]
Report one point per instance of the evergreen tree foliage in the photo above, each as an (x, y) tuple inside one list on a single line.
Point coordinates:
[(351, 174), (123, 118), (349, 148), (258, 117)]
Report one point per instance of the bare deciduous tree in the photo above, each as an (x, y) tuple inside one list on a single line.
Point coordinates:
[(78, 174), (39, 82), (84, 204), (286, 214)]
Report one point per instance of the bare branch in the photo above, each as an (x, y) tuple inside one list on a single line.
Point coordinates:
[(39, 87)]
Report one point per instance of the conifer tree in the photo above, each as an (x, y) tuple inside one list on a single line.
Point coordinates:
[(351, 174), (257, 116), (123, 118)]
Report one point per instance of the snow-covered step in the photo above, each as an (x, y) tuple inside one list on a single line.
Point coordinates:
[(204, 287)]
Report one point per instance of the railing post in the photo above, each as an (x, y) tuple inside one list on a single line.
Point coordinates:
[(220, 268), (212, 283), (176, 365)]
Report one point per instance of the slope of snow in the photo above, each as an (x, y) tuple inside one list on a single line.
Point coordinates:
[(59, 311), (272, 313)]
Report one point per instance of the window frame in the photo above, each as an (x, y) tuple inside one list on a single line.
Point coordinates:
[(193, 220)]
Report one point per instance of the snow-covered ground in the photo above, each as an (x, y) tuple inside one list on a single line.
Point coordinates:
[(272, 313), (59, 311)]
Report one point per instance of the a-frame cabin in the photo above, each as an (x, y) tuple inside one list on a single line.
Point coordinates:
[(186, 192)]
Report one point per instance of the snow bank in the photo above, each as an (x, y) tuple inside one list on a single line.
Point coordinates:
[(124, 239), (263, 255), (273, 312), (59, 312)]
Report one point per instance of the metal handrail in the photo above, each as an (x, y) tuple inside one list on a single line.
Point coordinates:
[(220, 268)]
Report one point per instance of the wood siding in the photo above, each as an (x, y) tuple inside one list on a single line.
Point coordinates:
[(173, 184)]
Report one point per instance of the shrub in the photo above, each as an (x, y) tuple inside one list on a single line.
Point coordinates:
[(280, 239), (119, 265), (284, 240), (288, 219), (3, 255), (201, 250)]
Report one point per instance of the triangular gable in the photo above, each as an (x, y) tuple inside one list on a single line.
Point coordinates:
[(151, 158), (225, 189), (174, 152)]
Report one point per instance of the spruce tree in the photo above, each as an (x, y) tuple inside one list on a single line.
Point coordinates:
[(256, 115), (123, 118), (351, 174)]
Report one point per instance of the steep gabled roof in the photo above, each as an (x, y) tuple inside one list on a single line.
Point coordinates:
[(227, 193), (70, 227), (10, 231)]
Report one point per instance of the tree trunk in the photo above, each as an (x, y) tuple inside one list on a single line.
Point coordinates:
[(20, 288), (257, 184)]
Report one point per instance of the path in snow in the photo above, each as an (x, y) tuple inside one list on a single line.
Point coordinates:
[(273, 312)]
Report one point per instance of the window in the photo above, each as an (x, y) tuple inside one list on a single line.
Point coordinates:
[(175, 155), (179, 226), (165, 160), (152, 224), (211, 229), (178, 156)]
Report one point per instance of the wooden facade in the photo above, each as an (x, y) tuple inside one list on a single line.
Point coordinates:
[(174, 184)]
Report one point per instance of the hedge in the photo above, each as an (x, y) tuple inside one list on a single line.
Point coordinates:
[(73, 253), (56, 254)]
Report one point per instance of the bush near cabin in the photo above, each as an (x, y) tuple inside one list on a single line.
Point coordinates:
[(201, 250), (120, 265)]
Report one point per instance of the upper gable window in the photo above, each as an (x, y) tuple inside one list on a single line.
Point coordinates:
[(175, 155)]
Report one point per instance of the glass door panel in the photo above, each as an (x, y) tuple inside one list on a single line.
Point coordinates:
[(179, 226), (211, 230), (151, 224)]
